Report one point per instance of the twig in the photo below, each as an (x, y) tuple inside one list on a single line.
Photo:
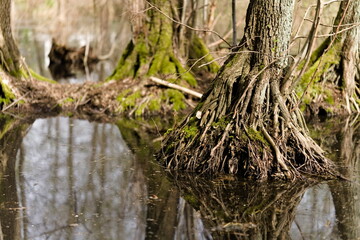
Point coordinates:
[(225, 36), (12, 104), (175, 86)]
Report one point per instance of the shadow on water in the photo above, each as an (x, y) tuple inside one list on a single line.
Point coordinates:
[(63, 178)]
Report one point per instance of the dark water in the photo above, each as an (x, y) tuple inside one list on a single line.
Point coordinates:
[(63, 178)]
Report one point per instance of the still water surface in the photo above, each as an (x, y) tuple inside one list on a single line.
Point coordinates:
[(63, 178)]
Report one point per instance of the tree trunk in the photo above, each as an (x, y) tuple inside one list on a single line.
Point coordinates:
[(244, 124), (10, 55), (151, 50), (331, 81)]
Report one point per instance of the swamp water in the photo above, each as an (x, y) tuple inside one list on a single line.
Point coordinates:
[(63, 178)]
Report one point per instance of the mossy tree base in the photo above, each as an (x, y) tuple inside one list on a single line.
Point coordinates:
[(321, 89), (331, 82), (244, 124), (250, 135)]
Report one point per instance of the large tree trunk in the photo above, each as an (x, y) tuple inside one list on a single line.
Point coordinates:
[(331, 80), (10, 55), (244, 124)]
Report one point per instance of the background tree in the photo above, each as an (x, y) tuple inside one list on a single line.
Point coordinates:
[(245, 123), (331, 77), (156, 24), (10, 55)]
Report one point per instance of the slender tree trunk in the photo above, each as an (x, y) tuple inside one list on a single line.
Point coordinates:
[(244, 124), (10, 55)]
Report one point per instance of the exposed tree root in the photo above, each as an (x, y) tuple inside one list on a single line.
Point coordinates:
[(258, 134)]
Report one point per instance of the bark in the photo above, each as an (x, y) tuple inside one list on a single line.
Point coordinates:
[(331, 81), (10, 55), (244, 124)]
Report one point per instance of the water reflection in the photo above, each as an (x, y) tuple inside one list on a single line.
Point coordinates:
[(79, 182), (346, 193), (71, 179)]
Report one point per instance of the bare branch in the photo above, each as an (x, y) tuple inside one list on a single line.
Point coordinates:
[(175, 86)]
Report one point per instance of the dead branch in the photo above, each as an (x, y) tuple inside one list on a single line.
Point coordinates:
[(175, 86)]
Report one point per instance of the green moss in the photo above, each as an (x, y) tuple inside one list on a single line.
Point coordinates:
[(190, 131), (130, 100), (184, 74), (123, 94), (321, 66), (329, 98), (176, 98), (140, 109), (168, 67), (154, 104), (168, 131), (125, 66), (40, 78), (7, 95), (7, 124), (198, 50), (69, 100), (161, 39), (192, 200), (221, 123), (256, 136)]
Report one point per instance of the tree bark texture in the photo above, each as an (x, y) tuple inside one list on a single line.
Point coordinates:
[(10, 55), (244, 124)]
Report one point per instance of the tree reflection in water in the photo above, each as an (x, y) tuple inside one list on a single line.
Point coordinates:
[(78, 180), (233, 209), (346, 194)]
